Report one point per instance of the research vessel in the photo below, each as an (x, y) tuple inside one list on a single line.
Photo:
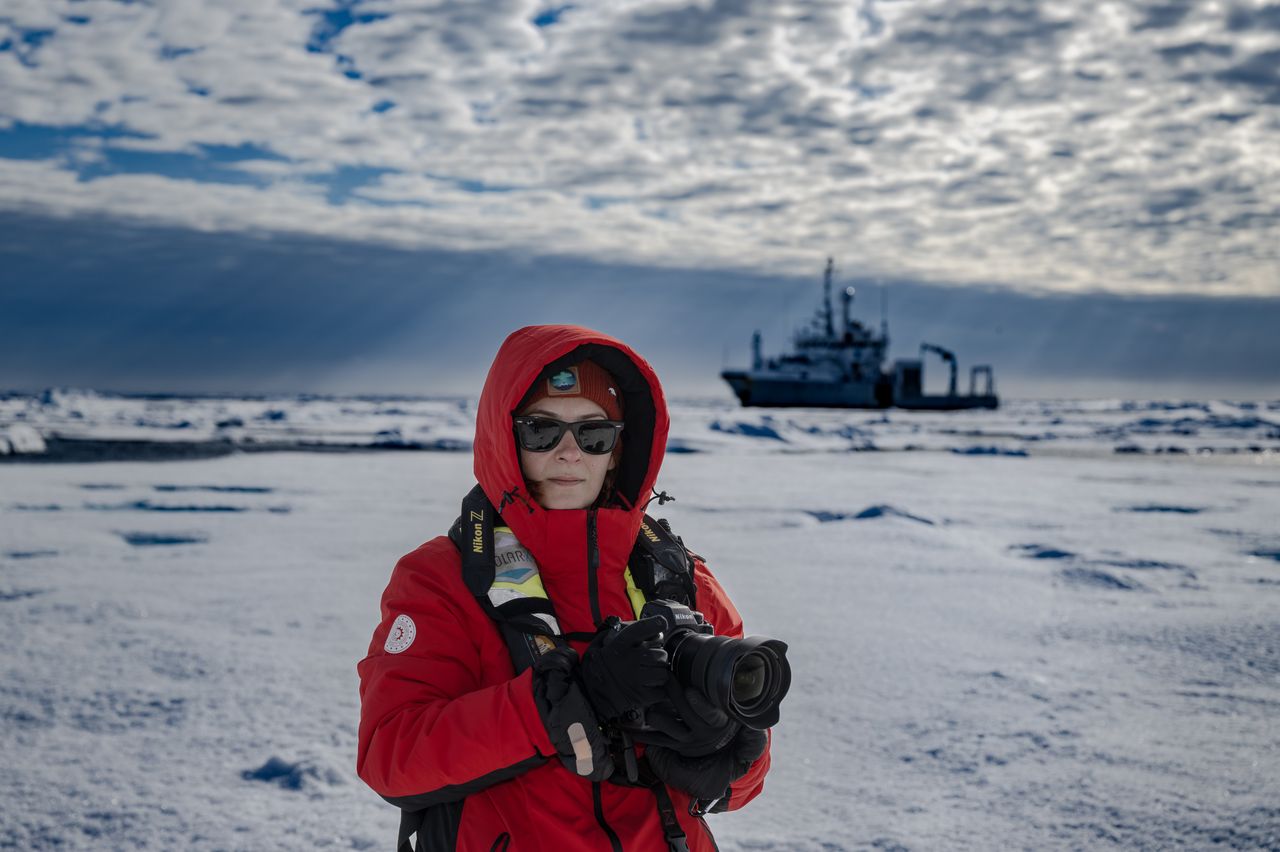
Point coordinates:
[(842, 366)]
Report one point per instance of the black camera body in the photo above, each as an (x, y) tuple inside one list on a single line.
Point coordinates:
[(745, 678)]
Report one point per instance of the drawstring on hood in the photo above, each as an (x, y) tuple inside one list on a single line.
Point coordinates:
[(510, 497), (662, 497)]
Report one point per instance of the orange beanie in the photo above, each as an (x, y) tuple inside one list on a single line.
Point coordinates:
[(585, 379)]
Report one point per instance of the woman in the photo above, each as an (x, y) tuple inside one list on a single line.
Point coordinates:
[(490, 754)]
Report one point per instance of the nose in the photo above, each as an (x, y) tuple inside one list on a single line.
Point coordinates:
[(568, 449)]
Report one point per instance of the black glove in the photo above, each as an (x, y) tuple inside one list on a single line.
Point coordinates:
[(687, 724), (708, 778), (625, 667), (567, 715)]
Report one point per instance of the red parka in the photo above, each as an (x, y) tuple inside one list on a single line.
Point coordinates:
[(444, 719)]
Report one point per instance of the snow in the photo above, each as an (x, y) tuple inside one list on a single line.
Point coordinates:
[(1071, 648)]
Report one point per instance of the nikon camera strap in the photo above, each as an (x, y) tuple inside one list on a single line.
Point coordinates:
[(528, 624)]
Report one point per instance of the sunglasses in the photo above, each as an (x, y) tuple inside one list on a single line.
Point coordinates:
[(543, 434)]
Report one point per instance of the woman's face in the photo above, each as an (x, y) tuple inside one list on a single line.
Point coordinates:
[(565, 477)]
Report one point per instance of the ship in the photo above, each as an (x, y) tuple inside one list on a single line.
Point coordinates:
[(842, 366)]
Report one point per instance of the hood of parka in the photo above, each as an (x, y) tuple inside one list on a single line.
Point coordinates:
[(539, 350)]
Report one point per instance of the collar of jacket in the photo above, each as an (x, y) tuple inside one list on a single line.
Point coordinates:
[(558, 538), (581, 604)]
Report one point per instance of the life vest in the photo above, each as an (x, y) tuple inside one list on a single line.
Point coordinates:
[(504, 579)]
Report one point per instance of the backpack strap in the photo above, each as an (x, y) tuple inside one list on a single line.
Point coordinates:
[(410, 824), (661, 565)]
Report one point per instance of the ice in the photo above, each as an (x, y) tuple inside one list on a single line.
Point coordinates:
[(20, 438), (1069, 649), (88, 426)]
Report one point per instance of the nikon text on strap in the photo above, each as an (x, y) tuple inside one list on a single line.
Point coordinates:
[(661, 565)]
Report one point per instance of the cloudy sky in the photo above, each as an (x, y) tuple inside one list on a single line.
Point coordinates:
[(1036, 159)]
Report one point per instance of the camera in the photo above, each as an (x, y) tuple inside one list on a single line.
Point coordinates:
[(745, 678)]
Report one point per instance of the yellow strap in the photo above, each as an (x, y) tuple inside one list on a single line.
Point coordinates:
[(636, 596), (533, 588)]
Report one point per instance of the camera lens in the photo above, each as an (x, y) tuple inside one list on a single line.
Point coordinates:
[(746, 678), (749, 678)]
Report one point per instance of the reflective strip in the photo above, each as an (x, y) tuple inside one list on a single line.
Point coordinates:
[(530, 588)]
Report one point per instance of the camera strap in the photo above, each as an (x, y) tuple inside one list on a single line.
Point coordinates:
[(677, 840), (522, 612), (661, 565), (640, 774)]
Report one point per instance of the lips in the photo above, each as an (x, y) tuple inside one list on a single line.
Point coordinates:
[(565, 481)]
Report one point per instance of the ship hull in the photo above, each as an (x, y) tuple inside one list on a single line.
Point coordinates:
[(764, 391), (769, 392)]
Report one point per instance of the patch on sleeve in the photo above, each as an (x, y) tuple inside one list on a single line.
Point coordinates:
[(401, 635)]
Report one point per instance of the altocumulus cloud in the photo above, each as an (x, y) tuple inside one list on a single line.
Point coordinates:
[(1062, 146)]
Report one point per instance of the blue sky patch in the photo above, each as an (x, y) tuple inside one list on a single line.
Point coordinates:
[(550, 16), (343, 181), (332, 22), (600, 202), (239, 153), (41, 142), (28, 44), (347, 66), (169, 51), (473, 185), (173, 164), (98, 158)]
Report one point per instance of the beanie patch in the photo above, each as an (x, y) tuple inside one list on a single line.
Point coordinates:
[(564, 383)]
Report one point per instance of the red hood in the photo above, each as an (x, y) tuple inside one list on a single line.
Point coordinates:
[(523, 357)]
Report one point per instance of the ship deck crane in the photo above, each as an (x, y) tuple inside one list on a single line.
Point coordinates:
[(946, 355)]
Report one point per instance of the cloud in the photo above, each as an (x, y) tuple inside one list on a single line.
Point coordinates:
[(1123, 147)]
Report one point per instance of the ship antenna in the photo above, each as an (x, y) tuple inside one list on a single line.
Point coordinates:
[(826, 296), (884, 310)]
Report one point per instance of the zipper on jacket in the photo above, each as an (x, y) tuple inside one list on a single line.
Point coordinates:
[(614, 843), (593, 567)]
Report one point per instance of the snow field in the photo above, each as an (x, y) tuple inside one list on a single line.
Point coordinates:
[(1048, 652)]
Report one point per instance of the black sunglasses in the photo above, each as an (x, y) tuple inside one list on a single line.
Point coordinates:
[(543, 434)]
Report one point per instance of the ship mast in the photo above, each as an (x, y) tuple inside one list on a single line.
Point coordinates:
[(826, 297)]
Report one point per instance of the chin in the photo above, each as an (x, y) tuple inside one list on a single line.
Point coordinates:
[(564, 500)]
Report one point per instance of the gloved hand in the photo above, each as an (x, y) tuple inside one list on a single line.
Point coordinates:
[(708, 777), (687, 724), (568, 717), (625, 667)]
